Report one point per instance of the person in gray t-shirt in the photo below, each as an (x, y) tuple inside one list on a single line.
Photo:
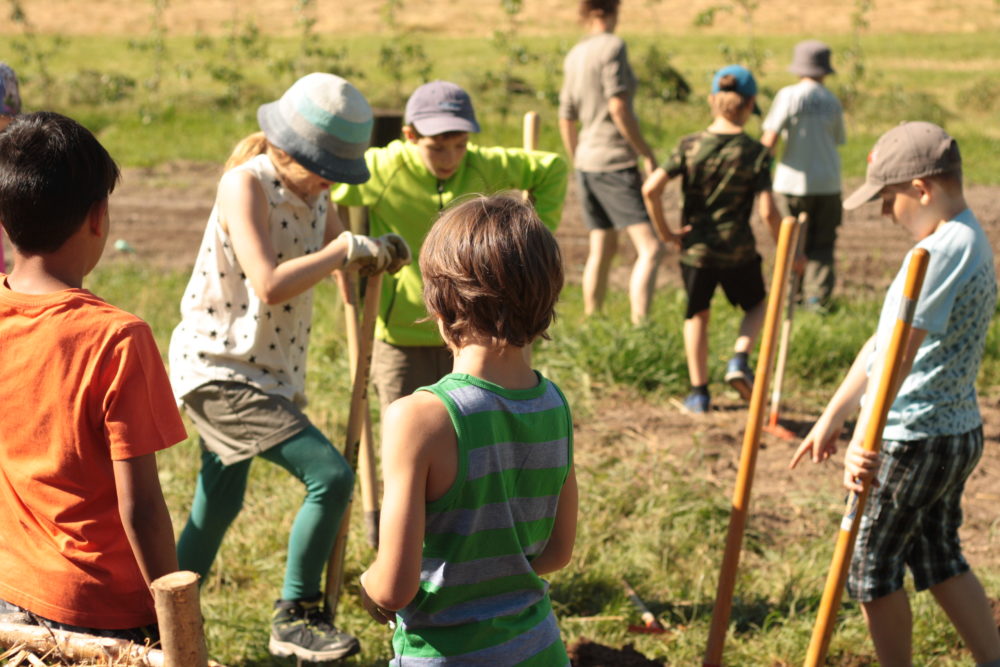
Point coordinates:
[(601, 134), (810, 120)]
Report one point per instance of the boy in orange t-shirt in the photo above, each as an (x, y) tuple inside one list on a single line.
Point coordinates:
[(86, 400)]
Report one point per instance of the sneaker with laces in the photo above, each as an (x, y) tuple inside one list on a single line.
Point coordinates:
[(740, 377), (696, 404), (302, 628)]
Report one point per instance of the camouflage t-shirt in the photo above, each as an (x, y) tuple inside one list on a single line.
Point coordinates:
[(721, 175)]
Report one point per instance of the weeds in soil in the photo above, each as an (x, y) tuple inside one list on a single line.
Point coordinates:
[(651, 513)]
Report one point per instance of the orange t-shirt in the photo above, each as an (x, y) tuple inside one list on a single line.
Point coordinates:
[(81, 384)]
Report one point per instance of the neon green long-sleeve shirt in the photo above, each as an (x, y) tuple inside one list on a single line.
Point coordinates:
[(404, 197)]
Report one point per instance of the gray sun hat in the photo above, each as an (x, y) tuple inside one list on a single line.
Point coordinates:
[(325, 124), (811, 58), (438, 107), (907, 151)]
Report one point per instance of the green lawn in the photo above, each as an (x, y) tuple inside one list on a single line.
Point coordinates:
[(205, 94), (651, 515)]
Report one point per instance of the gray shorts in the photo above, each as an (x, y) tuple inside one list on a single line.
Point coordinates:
[(237, 421), (398, 371), (912, 517), (611, 199)]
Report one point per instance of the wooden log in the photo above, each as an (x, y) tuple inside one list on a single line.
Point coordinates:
[(76, 647), (178, 612)]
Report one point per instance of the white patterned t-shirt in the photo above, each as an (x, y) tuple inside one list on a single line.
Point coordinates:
[(955, 306), (226, 331)]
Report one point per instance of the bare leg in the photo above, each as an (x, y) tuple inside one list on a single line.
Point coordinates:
[(753, 320), (643, 280), (962, 597), (603, 244), (890, 623), (696, 347)]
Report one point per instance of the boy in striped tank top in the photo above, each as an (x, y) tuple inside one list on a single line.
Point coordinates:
[(480, 495)]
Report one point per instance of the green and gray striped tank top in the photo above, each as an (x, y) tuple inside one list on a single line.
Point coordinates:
[(479, 601)]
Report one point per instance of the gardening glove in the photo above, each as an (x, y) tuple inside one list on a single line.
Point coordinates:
[(367, 255), (398, 251)]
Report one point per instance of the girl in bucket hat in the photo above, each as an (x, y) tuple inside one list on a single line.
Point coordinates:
[(238, 356)]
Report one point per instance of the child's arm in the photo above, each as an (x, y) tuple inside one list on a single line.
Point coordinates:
[(243, 209), (822, 437), (559, 549), (768, 212), (859, 464), (569, 130), (625, 120), (144, 516), (770, 141), (652, 195), (417, 435)]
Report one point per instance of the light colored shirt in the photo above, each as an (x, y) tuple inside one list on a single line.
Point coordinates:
[(955, 306), (810, 121), (227, 333), (596, 70)]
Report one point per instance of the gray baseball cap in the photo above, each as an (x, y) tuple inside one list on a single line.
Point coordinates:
[(907, 151), (440, 106), (811, 58)]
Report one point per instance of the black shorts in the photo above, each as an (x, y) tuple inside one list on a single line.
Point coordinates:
[(611, 199), (743, 286)]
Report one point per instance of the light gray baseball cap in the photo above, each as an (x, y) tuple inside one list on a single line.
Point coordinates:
[(811, 58), (438, 107), (907, 151)]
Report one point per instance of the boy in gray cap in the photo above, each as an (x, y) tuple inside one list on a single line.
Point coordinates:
[(810, 120), (933, 436), (413, 180)]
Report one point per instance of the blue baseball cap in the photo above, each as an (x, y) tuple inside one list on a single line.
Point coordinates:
[(746, 85)]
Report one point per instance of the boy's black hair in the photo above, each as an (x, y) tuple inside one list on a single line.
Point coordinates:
[(52, 171)]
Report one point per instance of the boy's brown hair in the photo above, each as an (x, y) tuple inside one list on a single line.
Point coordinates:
[(605, 7), (491, 271), (727, 102)]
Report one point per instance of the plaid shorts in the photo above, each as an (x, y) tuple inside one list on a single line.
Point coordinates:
[(912, 518)]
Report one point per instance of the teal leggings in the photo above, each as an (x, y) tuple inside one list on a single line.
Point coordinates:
[(218, 498)]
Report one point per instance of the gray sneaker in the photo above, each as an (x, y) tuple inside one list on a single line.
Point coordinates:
[(302, 628)]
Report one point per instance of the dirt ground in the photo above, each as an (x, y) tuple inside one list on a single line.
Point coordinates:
[(460, 17)]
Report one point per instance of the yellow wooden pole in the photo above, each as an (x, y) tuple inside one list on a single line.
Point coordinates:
[(772, 426), (355, 427), (748, 455), (834, 588)]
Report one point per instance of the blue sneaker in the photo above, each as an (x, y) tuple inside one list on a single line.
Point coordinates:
[(740, 377), (696, 404)]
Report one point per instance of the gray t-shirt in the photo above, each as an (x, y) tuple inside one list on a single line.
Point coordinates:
[(811, 122), (596, 70)]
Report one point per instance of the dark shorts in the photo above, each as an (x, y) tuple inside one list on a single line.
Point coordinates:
[(611, 199), (11, 613), (398, 370), (825, 215), (237, 421), (912, 517), (743, 286)]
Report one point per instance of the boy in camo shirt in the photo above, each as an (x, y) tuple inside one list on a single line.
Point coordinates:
[(722, 170)]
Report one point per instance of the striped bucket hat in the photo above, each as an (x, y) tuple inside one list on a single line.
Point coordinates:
[(325, 124)]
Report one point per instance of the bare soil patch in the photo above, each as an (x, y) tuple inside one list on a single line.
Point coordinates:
[(462, 18)]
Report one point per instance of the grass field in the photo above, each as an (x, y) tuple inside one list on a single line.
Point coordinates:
[(207, 88), (655, 515)]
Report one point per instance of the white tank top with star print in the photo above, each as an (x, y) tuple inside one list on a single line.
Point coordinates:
[(226, 331)]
